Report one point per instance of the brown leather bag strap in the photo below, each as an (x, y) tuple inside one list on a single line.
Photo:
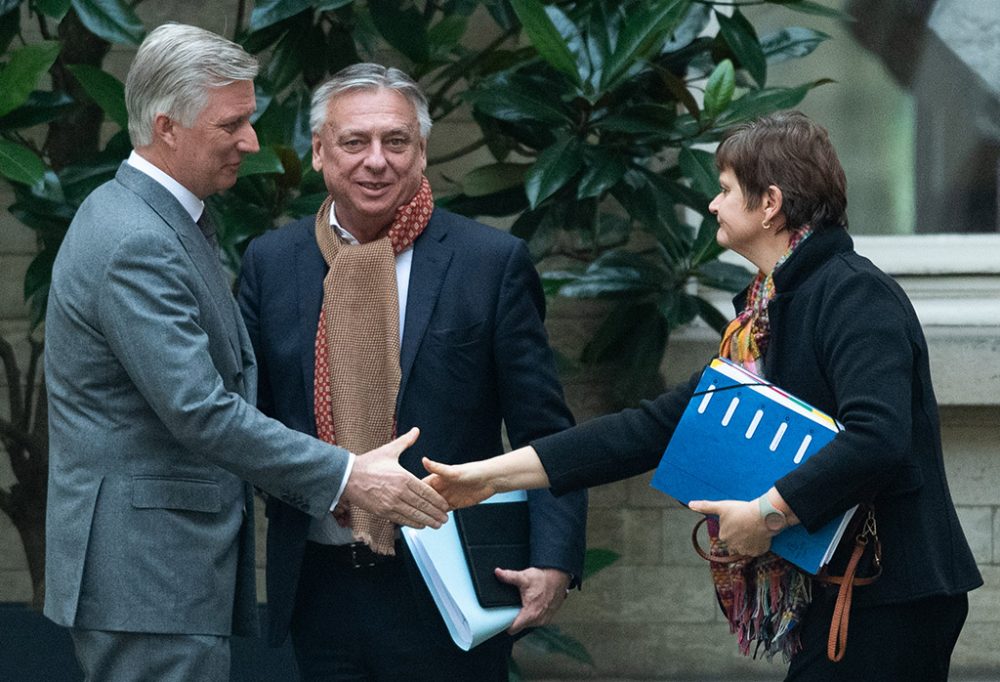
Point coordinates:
[(836, 645)]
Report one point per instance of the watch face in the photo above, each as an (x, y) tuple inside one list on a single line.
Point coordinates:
[(774, 521)]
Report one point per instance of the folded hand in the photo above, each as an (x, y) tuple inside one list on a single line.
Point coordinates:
[(462, 485), (381, 486)]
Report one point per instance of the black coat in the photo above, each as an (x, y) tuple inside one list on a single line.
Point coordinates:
[(844, 338)]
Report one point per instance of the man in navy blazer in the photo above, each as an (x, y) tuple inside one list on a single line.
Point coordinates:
[(473, 357)]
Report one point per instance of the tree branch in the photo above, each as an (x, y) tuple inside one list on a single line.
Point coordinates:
[(456, 154), (241, 11), (437, 99), (29, 383), (17, 410)]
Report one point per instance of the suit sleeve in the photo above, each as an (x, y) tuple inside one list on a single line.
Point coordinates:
[(154, 312), (533, 405), (616, 446), (871, 367)]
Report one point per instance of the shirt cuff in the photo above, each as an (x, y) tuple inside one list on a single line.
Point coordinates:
[(343, 483)]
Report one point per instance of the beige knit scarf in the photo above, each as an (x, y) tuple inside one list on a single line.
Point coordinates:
[(357, 344)]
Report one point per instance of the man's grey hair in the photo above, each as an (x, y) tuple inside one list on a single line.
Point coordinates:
[(172, 72), (367, 76)]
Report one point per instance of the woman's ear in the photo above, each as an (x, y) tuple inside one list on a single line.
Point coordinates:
[(772, 203)]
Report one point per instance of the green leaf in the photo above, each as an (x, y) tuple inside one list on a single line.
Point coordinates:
[(597, 559), (612, 333), (705, 248), (26, 66), (720, 88), (645, 118), (494, 178), (545, 37), (256, 42), (574, 40), (809, 7), (264, 161), (39, 273), (678, 88), (741, 37), (285, 63), (112, 20), (643, 32), (55, 9), (528, 223), (548, 639), (515, 104), (677, 308), (698, 166), (603, 170), (507, 202), (7, 6), (443, 36), (41, 106), (725, 276), (404, 29), (330, 5), (106, 90), (555, 167), (792, 42), (269, 12), (10, 26), (80, 179), (756, 103), (711, 315), (20, 164)]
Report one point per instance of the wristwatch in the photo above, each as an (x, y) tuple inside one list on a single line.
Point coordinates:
[(774, 518)]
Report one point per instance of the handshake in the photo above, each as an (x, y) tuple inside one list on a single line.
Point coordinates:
[(378, 484)]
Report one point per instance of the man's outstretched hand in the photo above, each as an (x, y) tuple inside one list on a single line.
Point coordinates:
[(379, 484)]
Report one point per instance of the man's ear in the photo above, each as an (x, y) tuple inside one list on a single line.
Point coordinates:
[(165, 130), (317, 162)]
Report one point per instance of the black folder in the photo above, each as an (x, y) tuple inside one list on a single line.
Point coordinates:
[(494, 535)]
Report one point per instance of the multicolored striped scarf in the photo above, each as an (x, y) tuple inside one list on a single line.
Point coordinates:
[(762, 597)]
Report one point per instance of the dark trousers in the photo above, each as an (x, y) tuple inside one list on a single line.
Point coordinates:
[(909, 642), (379, 623)]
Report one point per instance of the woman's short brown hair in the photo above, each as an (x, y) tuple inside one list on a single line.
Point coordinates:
[(790, 151)]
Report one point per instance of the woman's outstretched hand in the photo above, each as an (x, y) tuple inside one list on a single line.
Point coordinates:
[(462, 485)]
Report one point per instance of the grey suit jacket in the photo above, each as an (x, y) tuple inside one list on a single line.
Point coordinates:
[(151, 380)]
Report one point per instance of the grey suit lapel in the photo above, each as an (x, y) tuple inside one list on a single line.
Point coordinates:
[(202, 255), (431, 259)]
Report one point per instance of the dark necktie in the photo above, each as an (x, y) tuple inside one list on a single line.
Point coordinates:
[(207, 228)]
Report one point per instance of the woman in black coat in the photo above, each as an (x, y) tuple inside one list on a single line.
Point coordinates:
[(826, 325)]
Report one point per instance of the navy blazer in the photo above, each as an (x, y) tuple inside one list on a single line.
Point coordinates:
[(474, 357)]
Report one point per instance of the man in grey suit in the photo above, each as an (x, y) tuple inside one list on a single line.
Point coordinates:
[(151, 380)]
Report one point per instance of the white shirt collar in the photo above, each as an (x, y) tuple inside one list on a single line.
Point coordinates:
[(339, 229), (191, 203)]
